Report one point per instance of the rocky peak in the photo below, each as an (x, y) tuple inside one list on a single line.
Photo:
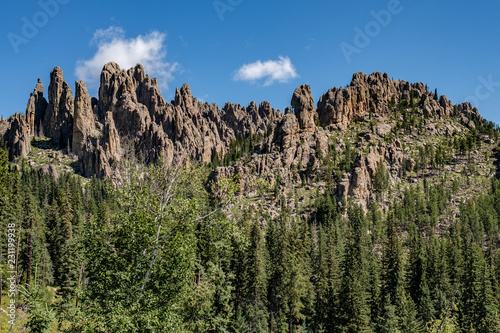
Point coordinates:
[(38, 91), (58, 118), (147, 90), (115, 82), (56, 86), (377, 95), (131, 117), (35, 110), (303, 105), (138, 74), (183, 97), (358, 79), (446, 106), (83, 124)]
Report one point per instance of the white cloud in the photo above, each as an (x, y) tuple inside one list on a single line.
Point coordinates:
[(102, 36), (112, 45), (281, 70)]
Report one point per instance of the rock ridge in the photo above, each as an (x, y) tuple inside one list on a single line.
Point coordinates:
[(131, 117)]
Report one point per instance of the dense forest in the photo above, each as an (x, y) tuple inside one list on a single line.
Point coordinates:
[(158, 253)]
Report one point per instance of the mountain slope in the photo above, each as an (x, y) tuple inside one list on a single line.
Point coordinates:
[(340, 143)]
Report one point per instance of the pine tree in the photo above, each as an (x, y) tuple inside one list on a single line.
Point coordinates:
[(354, 295), (299, 292), (392, 262), (417, 276), (478, 308), (275, 240), (388, 319), (407, 314), (255, 283), (60, 216)]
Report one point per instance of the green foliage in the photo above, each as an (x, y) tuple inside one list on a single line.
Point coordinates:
[(347, 161), (381, 179), (41, 316), (242, 147), (159, 254), (354, 293)]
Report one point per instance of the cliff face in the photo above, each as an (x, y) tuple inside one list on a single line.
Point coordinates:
[(131, 116)]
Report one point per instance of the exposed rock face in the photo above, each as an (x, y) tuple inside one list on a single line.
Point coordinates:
[(288, 131), (353, 103), (445, 106), (111, 139), (360, 184), (114, 83), (84, 122), (18, 136), (58, 118), (48, 169), (376, 95), (4, 126), (131, 117), (35, 111), (146, 90), (184, 98), (303, 105)]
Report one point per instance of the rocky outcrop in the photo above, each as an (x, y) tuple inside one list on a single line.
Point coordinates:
[(4, 126), (130, 118), (18, 136), (143, 124), (111, 139), (184, 99), (376, 95), (364, 95), (35, 110), (303, 105), (48, 169), (446, 107), (288, 131), (115, 83), (84, 123), (58, 118), (147, 90)]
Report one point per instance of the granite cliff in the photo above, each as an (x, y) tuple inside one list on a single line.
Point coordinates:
[(130, 116)]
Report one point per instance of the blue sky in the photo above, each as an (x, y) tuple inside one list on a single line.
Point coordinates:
[(244, 50)]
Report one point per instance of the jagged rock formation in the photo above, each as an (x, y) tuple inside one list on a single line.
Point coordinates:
[(84, 127), (58, 117), (131, 117), (303, 104), (35, 111), (376, 94), (17, 135)]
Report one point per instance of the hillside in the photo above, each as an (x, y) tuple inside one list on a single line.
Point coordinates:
[(342, 140), (373, 210)]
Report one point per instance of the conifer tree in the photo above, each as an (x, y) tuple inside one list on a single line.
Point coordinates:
[(417, 276), (354, 295), (256, 283), (391, 262)]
